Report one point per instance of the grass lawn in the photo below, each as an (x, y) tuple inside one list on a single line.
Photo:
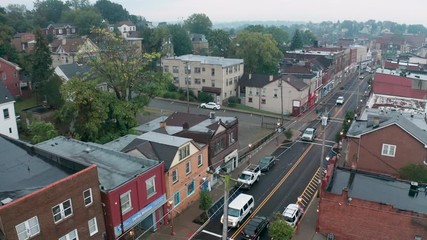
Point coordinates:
[(21, 104), (251, 109)]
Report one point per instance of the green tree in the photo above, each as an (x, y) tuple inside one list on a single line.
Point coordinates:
[(205, 201), (414, 172), (53, 92), (198, 23), (205, 97), (297, 42), (48, 11), (41, 69), (18, 19), (279, 35), (259, 51), (219, 43), (112, 12), (86, 109), (181, 40), (84, 19), (155, 39), (6, 48), (308, 38), (42, 131), (78, 4), (279, 229)]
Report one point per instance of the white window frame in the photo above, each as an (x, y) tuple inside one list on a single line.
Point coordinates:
[(62, 211), (200, 160), (92, 226), (69, 236), (388, 150), (129, 201), (28, 230), (88, 197), (188, 170), (175, 176), (148, 182)]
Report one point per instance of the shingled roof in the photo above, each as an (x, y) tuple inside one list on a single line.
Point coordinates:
[(5, 95)]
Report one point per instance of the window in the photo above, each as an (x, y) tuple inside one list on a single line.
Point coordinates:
[(203, 69), (203, 80), (166, 68), (6, 113), (176, 80), (190, 188), (93, 226), (87, 196), (126, 203), (388, 150), (250, 91), (175, 177), (184, 152), (250, 99), (196, 70), (60, 31), (62, 210), (263, 92), (200, 160), (213, 71), (218, 146), (231, 139), (176, 198), (175, 69), (197, 81), (212, 83), (10, 130), (70, 236), (28, 228), (188, 168), (263, 101), (150, 184)]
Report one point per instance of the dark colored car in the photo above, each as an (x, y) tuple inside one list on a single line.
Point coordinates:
[(255, 227), (266, 163)]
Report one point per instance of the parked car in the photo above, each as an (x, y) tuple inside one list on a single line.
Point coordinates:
[(267, 162), (255, 227), (210, 105), (249, 176), (309, 134), (293, 213), (340, 100)]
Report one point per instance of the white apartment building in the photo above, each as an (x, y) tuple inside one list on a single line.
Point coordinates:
[(217, 76), (8, 124)]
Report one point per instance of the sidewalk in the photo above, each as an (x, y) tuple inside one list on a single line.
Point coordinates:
[(183, 226)]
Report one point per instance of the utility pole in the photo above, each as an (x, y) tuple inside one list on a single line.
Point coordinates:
[(226, 180), (322, 157), (281, 101), (187, 79)]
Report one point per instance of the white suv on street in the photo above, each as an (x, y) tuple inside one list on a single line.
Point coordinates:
[(210, 105), (340, 100), (293, 214)]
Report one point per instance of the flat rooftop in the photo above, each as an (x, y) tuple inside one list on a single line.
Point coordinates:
[(114, 168), (22, 173), (380, 189), (225, 62)]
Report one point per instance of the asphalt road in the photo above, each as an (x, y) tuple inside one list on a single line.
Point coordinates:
[(297, 164)]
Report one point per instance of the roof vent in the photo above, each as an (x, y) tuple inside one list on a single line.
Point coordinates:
[(376, 122), (212, 115), (88, 150), (413, 190), (6, 201), (185, 126)]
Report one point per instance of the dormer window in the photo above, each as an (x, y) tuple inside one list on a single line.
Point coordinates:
[(184, 152)]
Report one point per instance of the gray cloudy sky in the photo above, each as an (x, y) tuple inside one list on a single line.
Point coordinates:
[(408, 12)]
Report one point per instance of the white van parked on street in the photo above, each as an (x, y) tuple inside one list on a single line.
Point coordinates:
[(238, 209)]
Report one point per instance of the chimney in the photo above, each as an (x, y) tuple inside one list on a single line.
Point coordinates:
[(64, 41), (376, 122), (185, 126), (271, 78), (162, 124), (212, 115), (250, 75)]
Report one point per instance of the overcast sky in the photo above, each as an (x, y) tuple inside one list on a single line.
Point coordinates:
[(408, 12)]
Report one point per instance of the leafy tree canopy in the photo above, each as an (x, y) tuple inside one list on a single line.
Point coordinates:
[(414, 172), (48, 11), (297, 41), (41, 69), (84, 18), (219, 43), (259, 51), (279, 34), (198, 23), (181, 40), (112, 12), (42, 131), (279, 229)]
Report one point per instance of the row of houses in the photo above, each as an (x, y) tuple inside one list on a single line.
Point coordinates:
[(118, 190), (363, 195)]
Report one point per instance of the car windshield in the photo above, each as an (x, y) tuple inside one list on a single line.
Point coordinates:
[(265, 160), (340, 98), (290, 219), (308, 131), (245, 176), (232, 212)]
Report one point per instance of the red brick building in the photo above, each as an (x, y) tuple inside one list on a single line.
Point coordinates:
[(59, 30), (359, 206), (45, 196), (10, 76), (387, 141), (132, 188)]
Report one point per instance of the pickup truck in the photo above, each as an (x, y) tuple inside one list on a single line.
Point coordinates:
[(249, 176)]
